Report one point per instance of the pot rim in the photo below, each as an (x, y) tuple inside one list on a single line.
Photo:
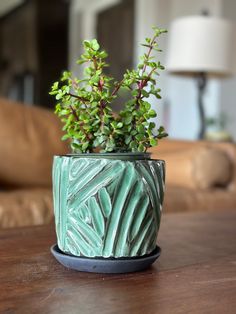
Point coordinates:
[(130, 155), (113, 156)]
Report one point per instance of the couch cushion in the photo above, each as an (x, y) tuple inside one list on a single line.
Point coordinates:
[(29, 138)]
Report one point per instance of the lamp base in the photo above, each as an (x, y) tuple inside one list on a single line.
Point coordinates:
[(201, 83)]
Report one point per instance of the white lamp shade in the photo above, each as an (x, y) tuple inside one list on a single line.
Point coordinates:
[(201, 44)]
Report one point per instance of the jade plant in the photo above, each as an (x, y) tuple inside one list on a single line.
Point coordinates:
[(84, 105)]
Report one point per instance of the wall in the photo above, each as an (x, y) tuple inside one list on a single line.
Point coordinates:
[(228, 86)]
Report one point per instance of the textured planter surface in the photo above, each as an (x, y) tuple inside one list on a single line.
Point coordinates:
[(105, 207)]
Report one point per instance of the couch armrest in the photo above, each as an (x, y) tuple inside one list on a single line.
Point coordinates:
[(199, 164), (230, 150)]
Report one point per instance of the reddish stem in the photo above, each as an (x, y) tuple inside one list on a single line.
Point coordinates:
[(118, 86), (148, 54), (74, 113), (78, 97)]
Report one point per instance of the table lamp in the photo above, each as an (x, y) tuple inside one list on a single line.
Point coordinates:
[(201, 46)]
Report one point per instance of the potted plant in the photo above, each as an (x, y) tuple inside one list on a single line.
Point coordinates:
[(108, 193)]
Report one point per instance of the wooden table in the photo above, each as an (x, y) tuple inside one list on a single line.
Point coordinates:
[(196, 273)]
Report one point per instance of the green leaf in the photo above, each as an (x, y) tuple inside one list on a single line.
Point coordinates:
[(102, 139), (94, 112), (106, 130), (85, 146), (128, 139), (141, 129), (118, 131), (141, 148), (94, 79), (76, 146), (94, 44), (53, 93), (55, 86), (103, 54), (81, 61), (139, 137), (147, 105), (119, 125), (162, 135), (86, 43), (152, 125), (161, 129), (66, 76), (133, 144), (59, 96), (133, 132), (145, 93), (152, 113), (128, 119), (65, 137), (153, 142), (146, 45), (135, 92), (152, 64)]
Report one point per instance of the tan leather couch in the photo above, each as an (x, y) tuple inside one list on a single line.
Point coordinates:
[(200, 175)]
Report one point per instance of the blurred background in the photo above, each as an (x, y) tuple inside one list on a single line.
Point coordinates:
[(40, 38)]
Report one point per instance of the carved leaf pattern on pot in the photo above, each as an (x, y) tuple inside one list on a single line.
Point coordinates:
[(109, 208)]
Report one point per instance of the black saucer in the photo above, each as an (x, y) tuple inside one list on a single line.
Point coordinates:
[(106, 265)]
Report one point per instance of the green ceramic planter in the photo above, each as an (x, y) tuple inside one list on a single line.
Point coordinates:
[(107, 205)]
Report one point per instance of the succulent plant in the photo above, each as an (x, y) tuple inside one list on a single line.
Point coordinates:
[(85, 105)]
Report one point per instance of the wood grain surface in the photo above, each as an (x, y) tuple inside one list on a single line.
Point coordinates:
[(196, 272)]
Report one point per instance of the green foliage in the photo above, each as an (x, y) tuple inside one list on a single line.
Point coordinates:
[(84, 105)]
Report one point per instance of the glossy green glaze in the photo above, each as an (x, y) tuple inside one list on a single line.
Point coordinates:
[(107, 207)]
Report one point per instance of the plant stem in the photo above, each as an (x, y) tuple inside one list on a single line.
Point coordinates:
[(143, 82), (78, 97), (148, 54), (118, 86), (115, 90), (95, 64), (74, 113)]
